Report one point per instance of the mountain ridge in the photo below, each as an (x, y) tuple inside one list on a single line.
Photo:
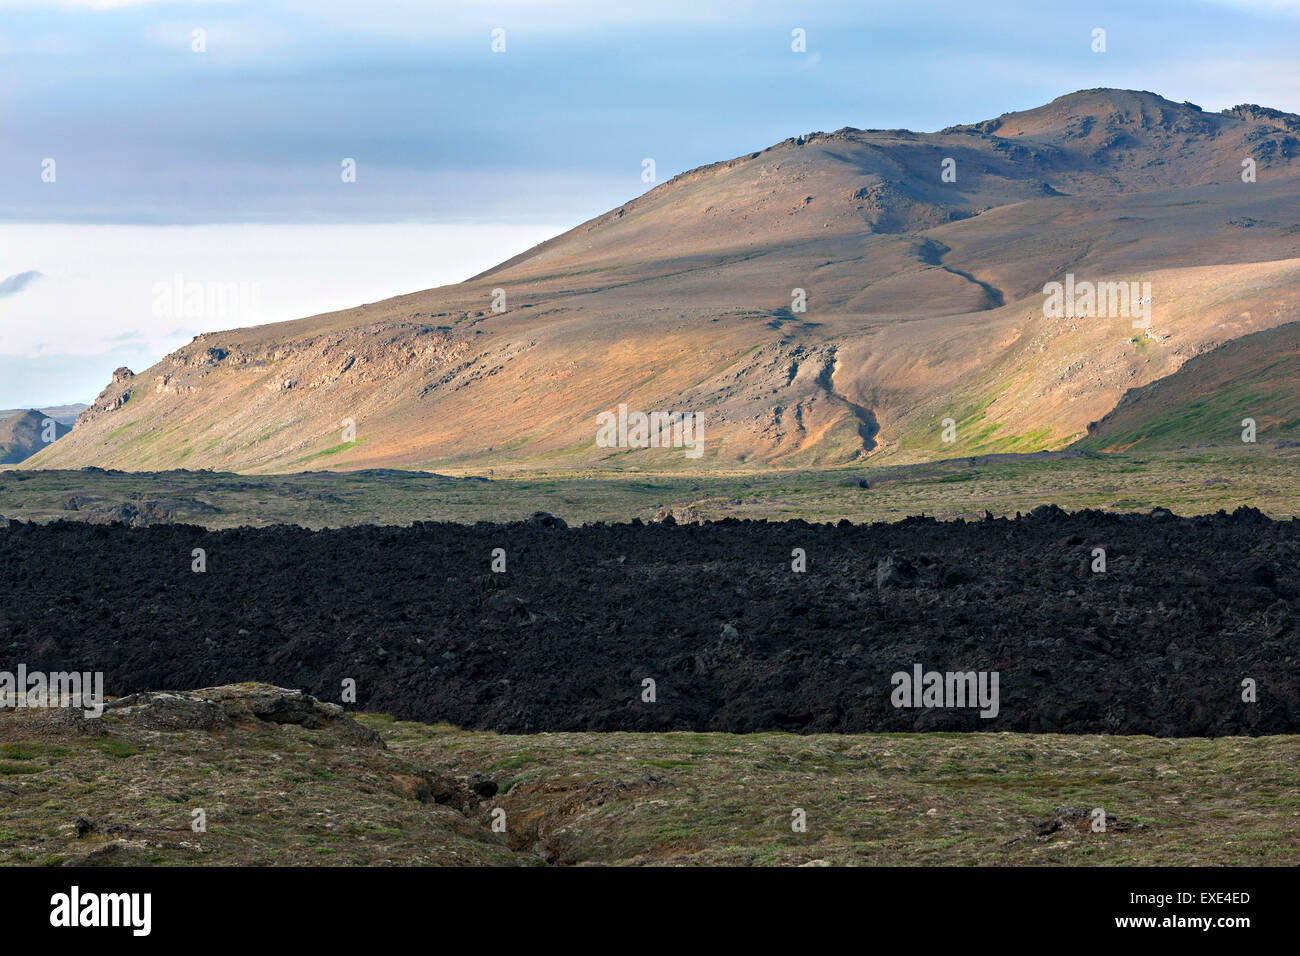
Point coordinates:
[(923, 297)]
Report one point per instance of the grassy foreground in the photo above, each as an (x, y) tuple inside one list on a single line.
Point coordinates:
[(1188, 481), (282, 794)]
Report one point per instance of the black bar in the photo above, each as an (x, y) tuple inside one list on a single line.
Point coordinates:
[(654, 906)]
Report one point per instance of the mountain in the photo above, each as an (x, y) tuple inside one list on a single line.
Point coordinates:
[(926, 306), (67, 414), (24, 434)]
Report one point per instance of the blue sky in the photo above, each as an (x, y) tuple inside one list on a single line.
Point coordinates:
[(490, 151), (554, 129)]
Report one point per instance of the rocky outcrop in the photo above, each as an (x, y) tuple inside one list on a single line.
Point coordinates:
[(1263, 114), (677, 514), (117, 394), (211, 708), (140, 512)]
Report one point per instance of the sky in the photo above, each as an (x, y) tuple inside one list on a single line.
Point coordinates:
[(163, 139)]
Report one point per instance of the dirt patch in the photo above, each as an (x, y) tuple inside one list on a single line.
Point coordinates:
[(1160, 643)]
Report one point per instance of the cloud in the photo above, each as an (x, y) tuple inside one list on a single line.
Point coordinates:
[(16, 283), (109, 297)]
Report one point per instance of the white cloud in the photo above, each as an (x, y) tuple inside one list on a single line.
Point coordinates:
[(102, 284)]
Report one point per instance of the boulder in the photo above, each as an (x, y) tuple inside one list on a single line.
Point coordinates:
[(540, 519), (895, 573)]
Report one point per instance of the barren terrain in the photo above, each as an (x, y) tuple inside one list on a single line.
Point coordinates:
[(924, 303)]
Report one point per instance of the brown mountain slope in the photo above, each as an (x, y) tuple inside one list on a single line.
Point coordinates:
[(924, 303), (24, 434)]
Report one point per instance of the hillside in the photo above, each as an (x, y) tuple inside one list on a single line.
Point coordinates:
[(1206, 402), (925, 302), (24, 434)]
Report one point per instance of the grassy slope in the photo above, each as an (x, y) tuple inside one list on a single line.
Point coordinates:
[(1205, 402), (284, 795)]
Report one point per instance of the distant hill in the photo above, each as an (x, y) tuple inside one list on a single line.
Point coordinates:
[(923, 260), (24, 434), (67, 414)]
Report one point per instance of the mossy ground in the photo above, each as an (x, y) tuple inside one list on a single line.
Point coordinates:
[(288, 796), (1188, 481)]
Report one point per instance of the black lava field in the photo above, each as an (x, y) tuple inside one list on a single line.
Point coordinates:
[(1161, 642)]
